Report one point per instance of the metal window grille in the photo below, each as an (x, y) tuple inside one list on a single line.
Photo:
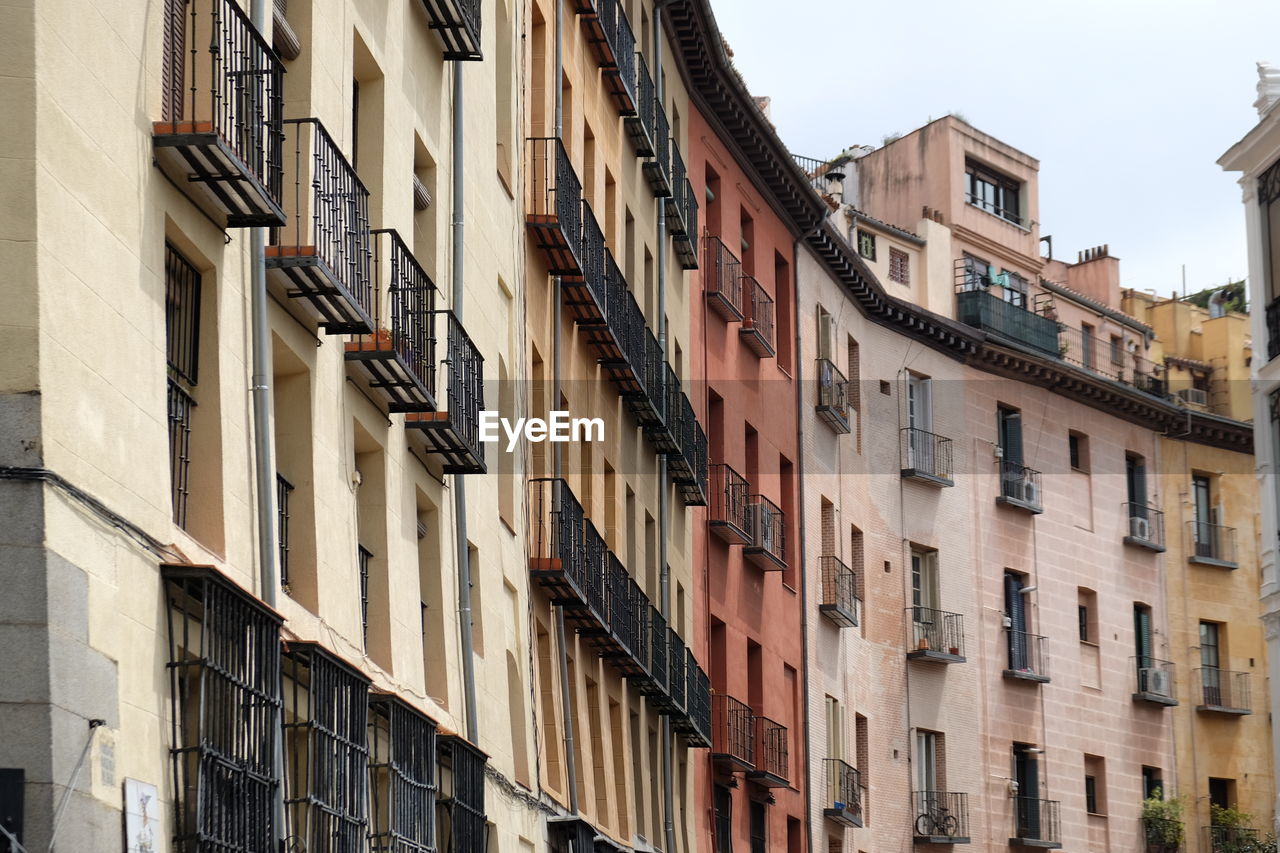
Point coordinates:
[(464, 807), (402, 777), (181, 406), (326, 751), (283, 489), (182, 315), (224, 675), (363, 558), (899, 266)]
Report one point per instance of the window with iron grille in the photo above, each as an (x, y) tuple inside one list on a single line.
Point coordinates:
[(867, 244), (723, 819), (402, 777), (759, 826), (363, 558), (224, 678), (283, 489), (326, 751), (899, 266), (182, 349), (462, 815)]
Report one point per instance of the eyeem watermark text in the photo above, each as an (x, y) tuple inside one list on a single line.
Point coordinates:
[(559, 427)]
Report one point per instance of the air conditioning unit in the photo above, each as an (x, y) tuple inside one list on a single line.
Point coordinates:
[(1157, 682), (1194, 396), (762, 526), (1139, 528)]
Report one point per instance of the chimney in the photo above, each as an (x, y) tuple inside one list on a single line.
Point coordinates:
[(1096, 274)]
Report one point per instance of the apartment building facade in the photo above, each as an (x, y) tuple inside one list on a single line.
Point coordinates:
[(1256, 157)]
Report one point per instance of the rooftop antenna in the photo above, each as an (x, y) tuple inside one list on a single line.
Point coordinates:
[(1184, 281)]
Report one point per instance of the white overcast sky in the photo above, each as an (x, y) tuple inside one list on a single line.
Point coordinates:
[(1127, 104)]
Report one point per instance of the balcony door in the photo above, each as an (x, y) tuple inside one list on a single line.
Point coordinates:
[(1205, 518), (1026, 773), (1015, 611), (1210, 659), (920, 422), (926, 761), (924, 584), (1135, 473), (1009, 422)]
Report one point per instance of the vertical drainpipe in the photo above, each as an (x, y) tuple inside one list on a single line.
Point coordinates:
[(264, 464), (566, 705), (664, 511), (459, 480)]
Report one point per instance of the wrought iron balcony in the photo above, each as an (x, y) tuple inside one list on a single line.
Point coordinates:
[(557, 560), (453, 432), (220, 134), (685, 238), (694, 725), (846, 795), (673, 701), (658, 169), (658, 671), (936, 635), (757, 330), (1163, 835), (462, 793), (767, 548), (926, 457), (733, 738), (690, 476), (1212, 544), (1144, 526), (650, 404), (993, 307), (634, 662), (585, 294), (840, 602), (1273, 328), (613, 43), (607, 336), (1112, 360), (617, 636), (722, 282), (641, 124), (1223, 692), (1037, 823), (1234, 839), (398, 358), (627, 330), (457, 22), (728, 513), (555, 206), (321, 256), (1028, 656), (941, 817), (591, 616), (772, 758), (833, 396), (666, 436), (1020, 487), (569, 834), (1155, 683)]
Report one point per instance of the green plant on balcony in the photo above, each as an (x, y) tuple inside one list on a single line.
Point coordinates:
[(1233, 832), (1162, 822)]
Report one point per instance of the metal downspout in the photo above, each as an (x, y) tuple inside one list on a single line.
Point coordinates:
[(664, 510), (463, 555), (263, 456), (566, 704)]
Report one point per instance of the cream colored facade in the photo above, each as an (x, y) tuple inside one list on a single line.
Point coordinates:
[(86, 302)]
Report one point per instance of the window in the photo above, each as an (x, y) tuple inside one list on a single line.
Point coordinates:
[(826, 333), (993, 192), (462, 795), (1087, 609), (1152, 783), (1210, 641), (1087, 343), (1014, 290), (1117, 349), (835, 728), (759, 826), (1143, 644), (919, 402), (1009, 436), (929, 769), (402, 776), (1269, 201), (924, 581), (866, 244), (724, 819), (225, 665), (1091, 794), (1135, 468), (1205, 514), (1078, 451), (1222, 793), (899, 266), (182, 342)]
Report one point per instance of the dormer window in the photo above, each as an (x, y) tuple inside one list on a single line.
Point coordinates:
[(993, 192)]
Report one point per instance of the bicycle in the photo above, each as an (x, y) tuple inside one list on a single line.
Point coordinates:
[(937, 820)]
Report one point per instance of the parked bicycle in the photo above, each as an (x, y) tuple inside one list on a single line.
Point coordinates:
[(937, 820)]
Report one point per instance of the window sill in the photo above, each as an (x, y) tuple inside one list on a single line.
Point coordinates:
[(1091, 644), (997, 216)]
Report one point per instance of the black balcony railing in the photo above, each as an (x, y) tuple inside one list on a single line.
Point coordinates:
[(618, 635), (767, 548), (585, 294), (453, 430), (757, 323), (992, 307), (772, 756), (634, 661), (1037, 823), (1028, 656), (620, 71), (846, 794), (649, 405), (926, 456), (457, 23), (283, 490), (936, 635), (640, 125), (181, 408), (555, 206), (399, 357), (840, 602), (403, 776), (220, 132), (658, 170), (825, 176), (463, 795), (1020, 487), (590, 615), (941, 817), (659, 639), (1273, 328), (722, 282), (690, 476), (1111, 359), (1154, 680), (677, 671), (322, 256), (1212, 544), (733, 726), (1224, 691), (833, 396), (364, 559), (686, 239), (626, 327), (1144, 526), (695, 723), (556, 558), (1235, 839)]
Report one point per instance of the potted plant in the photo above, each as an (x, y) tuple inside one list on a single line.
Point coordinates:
[(1233, 832), (955, 651), (1162, 822)]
